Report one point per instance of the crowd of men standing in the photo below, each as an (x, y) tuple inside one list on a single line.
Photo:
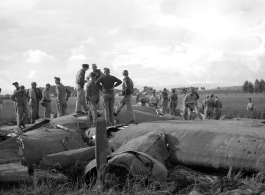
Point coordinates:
[(26, 102)]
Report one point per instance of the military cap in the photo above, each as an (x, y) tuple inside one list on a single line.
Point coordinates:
[(125, 72), (85, 65), (57, 78), (107, 69), (94, 65), (15, 83)]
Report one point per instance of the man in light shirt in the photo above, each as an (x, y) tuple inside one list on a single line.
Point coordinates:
[(32, 95), (250, 107), (62, 97), (80, 82), (46, 101)]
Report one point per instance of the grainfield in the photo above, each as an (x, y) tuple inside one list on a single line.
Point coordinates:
[(234, 106)]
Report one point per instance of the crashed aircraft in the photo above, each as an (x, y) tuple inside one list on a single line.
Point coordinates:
[(156, 140)]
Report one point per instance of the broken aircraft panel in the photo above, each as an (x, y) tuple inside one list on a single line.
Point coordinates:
[(136, 163), (210, 144)]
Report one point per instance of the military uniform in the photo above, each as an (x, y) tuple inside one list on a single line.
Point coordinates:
[(80, 99), (190, 105), (93, 96), (173, 103), (61, 103), (164, 102), (47, 103), (20, 97), (208, 112), (33, 105), (217, 109)]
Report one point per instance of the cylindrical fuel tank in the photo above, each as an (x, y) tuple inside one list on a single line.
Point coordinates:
[(210, 144)]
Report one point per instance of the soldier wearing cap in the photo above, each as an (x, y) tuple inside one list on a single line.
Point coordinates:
[(20, 98), (190, 104), (106, 84), (46, 101), (80, 82), (62, 97), (209, 107), (164, 101), (127, 91), (33, 101), (173, 102), (154, 99), (17, 89), (217, 108)]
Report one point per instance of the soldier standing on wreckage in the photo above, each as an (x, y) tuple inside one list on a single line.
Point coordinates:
[(20, 97), (62, 97), (46, 101), (17, 89), (98, 74), (173, 102), (209, 108), (190, 104), (33, 101), (127, 91), (93, 96), (106, 84), (80, 82), (164, 100)]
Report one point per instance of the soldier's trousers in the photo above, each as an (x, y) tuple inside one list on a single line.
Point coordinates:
[(126, 100), (47, 110), (164, 107), (80, 99), (61, 108), (217, 114), (109, 108), (187, 112), (173, 106), (208, 113), (22, 114), (33, 112), (93, 108)]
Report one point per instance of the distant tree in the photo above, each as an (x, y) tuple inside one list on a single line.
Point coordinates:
[(245, 87), (250, 87), (262, 85), (257, 86)]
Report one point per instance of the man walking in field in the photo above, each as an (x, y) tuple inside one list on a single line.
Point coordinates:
[(217, 108), (154, 100), (250, 107), (62, 97), (127, 91), (32, 95), (46, 101), (80, 82), (190, 104), (164, 101), (106, 84), (20, 97), (173, 102), (208, 113), (92, 96)]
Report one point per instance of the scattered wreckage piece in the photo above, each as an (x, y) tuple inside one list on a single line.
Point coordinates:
[(152, 143), (68, 158), (33, 144), (13, 172), (9, 151), (136, 163), (211, 144)]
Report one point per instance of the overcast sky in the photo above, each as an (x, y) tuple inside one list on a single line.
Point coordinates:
[(160, 42)]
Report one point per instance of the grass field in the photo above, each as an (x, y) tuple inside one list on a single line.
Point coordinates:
[(234, 105)]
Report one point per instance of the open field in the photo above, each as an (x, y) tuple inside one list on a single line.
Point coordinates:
[(234, 105)]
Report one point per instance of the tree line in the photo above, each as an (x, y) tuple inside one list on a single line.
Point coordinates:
[(257, 87)]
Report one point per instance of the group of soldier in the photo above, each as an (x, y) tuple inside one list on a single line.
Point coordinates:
[(27, 102), (211, 106)]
